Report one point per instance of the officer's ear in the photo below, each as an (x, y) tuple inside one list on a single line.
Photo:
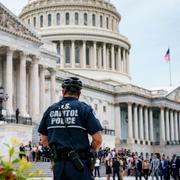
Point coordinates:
[(78, 94), (63, 92)]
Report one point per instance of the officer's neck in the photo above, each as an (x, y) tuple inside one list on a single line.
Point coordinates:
[(72, 95)]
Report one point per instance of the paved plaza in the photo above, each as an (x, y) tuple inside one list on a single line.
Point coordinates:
[(101, 178)]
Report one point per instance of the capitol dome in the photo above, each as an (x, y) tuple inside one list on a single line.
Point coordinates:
[(86, 34)]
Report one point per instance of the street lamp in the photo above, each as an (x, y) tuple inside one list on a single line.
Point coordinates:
[(3, 97)]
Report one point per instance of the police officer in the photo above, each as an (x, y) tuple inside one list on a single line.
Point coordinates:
[(65, 127)]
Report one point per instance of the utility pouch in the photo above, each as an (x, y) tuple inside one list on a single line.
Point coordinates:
[(73, 155), (92, 159), (53, 153)]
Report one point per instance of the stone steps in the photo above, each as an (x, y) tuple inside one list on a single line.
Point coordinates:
[(45, 167)]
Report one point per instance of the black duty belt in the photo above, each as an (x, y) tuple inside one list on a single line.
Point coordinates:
[(65, 155)]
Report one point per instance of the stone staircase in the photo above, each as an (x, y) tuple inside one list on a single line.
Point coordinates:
[(45, 167)]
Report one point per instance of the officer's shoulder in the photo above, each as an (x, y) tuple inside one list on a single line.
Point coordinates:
[(52, 106), (85, 104)]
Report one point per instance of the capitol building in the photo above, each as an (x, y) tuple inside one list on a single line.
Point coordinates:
[(55, 39)]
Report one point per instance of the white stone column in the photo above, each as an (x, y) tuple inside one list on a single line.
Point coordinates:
[(42, 89), (94, 54), (172, 125), (104, 57), (53, 86), (35, 89), (9, 81), (167, 125), (1, 72), (117, 125), (141, 123), (62, 54), (135, 122), (100, 57), (146, 124), (112, 56), (84, 55), (151, 125), (176, 126), (72, 54), (162, 127), (127, 59), (124, 60), (119, 59), (130, 134), (22, 85), (54, 18)]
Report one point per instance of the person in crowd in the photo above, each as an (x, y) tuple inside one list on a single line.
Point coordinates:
[(121, 168), (17, 115), (108, 162), (145, 168), (137, 167), (178, 168), (22, 152), (97, 166), (165, 168), (155, 167), (34, 152), (116, 166)]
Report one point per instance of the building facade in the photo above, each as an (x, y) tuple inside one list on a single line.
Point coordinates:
[(55, 39)]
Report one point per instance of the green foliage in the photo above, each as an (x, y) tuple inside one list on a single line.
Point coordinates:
[(15, 168)]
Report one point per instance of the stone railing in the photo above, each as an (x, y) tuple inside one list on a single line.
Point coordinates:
[(129, 88), (101, 33), (21, 120), (108, 132), (91, 3)]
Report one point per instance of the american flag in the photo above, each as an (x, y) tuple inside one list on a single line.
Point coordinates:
[(167, 56)]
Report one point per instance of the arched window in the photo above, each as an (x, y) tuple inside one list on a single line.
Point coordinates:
[(49, 20), (68, 55), (85, 19), (93, 20), (107, 23), (58, 19), (76, 18), (87, 56), (77, 55), (67, 18), (41, 21), (34, 21), (101, 21)]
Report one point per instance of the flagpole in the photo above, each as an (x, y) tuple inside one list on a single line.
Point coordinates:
[(170, 73)]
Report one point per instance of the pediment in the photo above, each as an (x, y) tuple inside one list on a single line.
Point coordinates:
[(174, 95), (11, 24)]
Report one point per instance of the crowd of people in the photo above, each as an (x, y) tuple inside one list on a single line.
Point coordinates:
[(123, 162), (35, 152), (118, 163)]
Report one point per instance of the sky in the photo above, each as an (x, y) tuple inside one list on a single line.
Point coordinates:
[(151, 27)]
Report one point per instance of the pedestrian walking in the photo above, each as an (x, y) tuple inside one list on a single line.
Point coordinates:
[(96, 167)]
